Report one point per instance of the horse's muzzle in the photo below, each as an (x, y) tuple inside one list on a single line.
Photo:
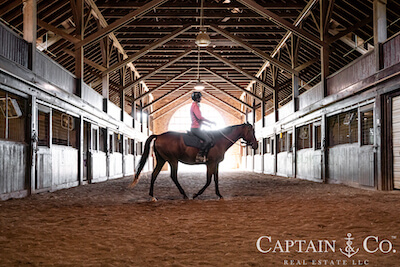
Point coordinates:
[(254, 145)]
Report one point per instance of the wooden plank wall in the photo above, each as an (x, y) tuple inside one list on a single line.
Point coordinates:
[(115, 165), (269, 163), (92, 97), (129, 164), (352, 73), (391, 52), (12, 176), (347, 164), (54, 73), (285, 164), (13, 47), (311, 96), (65, 166), (308, 164), (99, 165)]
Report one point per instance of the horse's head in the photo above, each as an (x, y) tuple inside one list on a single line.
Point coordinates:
[(249, 135)]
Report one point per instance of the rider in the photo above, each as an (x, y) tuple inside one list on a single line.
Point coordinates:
[(197, 120)]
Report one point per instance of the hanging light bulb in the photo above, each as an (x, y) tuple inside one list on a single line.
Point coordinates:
[(202, 39), (199, 85)]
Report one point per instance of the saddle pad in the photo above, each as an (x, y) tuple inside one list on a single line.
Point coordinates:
[(192, 140)]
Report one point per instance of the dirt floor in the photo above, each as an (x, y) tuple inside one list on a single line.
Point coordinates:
[(107, 224)]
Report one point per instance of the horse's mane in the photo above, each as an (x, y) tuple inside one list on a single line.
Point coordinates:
[(226, 130)]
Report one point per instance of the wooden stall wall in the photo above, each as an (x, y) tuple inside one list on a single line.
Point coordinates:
[(308, 164), (284, 164), (12, 176), (64, 167), (349, 164), (99, 163)]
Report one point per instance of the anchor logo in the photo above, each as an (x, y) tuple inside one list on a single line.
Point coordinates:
[(349, 251)]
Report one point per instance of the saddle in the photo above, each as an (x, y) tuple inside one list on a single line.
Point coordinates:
[(191, 140)]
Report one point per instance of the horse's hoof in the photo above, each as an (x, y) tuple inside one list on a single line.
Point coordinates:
[(185, 197), (221, 198), (153, 199), (195, 195)]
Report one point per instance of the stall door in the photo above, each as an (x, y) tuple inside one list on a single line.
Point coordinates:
[(87, 153), (43, 178), (396, 141)]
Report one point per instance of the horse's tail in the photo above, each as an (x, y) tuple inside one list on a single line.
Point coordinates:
[(143, 160)]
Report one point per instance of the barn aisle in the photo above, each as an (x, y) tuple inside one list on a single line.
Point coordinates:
[(109, 224)]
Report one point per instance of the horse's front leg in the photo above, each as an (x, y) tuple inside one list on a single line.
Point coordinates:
[(210, 172), (216, 182), (174, 176)]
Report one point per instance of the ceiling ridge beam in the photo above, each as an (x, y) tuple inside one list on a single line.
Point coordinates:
[(173, 101), (147, 49), (57, 31), (167, 94), (232, 83), (252, 49), (157, 70), (165, 83), (120, 22), (281, 22), (239, 69)]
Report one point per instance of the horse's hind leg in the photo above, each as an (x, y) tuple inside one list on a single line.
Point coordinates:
[(216, 182), (174, 176), (156, 171), (210, 172)]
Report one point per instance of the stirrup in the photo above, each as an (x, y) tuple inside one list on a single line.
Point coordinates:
[(200, 158)]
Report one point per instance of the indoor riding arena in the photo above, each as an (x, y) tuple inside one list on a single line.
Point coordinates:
[(200, 133)]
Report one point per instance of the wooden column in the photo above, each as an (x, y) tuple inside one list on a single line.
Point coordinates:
[(295, 77), (264, 77), (380, 31), (324, 22), (78, 8), (29, 29), (33, 137), (324, 149)]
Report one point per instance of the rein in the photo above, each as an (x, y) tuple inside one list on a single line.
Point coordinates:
[(233, 142)]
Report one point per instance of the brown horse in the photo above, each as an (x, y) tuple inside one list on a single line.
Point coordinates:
[(170, 147)]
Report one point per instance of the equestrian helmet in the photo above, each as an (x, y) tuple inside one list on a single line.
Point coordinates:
[(196, 96)]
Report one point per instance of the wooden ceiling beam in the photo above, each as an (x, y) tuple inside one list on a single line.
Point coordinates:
[(164, 84), (120, 22), (233, 84), (227, 94), (87, 61), (167, 94), (282, 23), (147, 49), (239, 69), (356, 26), (223, 102), (252, 49), (170, 103), (157, 70), (57, 31)]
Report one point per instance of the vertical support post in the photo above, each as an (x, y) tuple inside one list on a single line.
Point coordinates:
[(380, 31), (294, 151), (324, 149), (381, 179), (79, 53), (29, 29), (33, 138), (324, 13), (80, 150), (295, 78), (276, 103)]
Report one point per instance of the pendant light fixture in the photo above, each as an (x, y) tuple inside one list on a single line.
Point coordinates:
[(199, 85), (202, 39)]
